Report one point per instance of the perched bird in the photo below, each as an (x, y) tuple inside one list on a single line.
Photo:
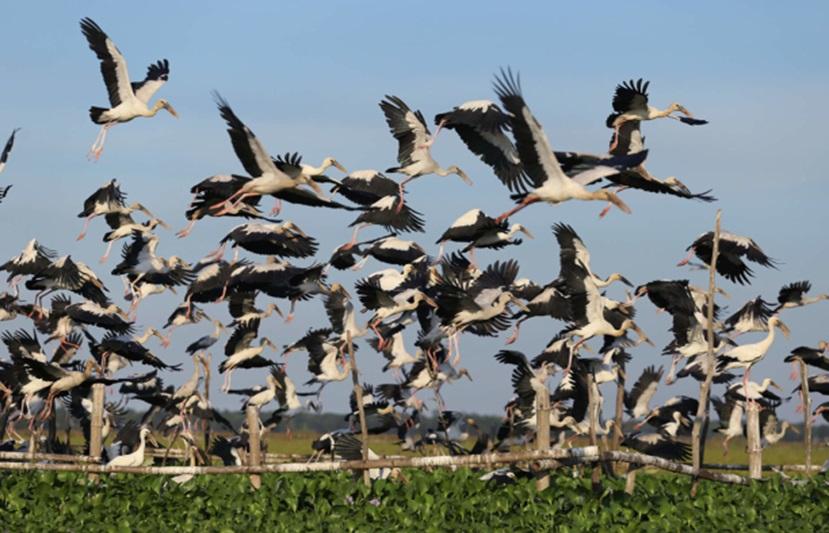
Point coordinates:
[(128, 99)]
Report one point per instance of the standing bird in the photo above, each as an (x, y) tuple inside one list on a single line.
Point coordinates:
[(135, 458), (551, 184), (128, 99), (415, 141), (730, 262), (747, 355), (267, 178)]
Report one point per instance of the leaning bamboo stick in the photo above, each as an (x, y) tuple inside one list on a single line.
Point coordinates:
[(542, 432), (700, 420), (587, 454), (678, 468), (358, 396), (765, 468), (65, 458), (807, 412)]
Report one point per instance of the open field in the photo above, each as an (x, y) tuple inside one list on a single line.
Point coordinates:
[(425, 501)]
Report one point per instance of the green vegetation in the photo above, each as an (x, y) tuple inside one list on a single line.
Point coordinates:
[(427, 501)]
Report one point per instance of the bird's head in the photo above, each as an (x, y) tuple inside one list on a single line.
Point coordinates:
[(775, 322), (775, 385), (680, 108), (267, 342), (454, 169), (618, 277), (331, 162), (465, 372), (822, 345), (218, 325), (337, 288), (165, 105), (515, 228), (517, 301)]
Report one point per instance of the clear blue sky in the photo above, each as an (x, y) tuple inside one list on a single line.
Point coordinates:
[(308, 76)]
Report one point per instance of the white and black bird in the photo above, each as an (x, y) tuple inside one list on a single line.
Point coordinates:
[(794, 295), (267, 178), (127, 99), (481, 231), (4, 157), (550, 183), (414, 143), (637, 401), (747, 355), (630, 102), (732, 249), (483, 126), (281, 240), (109, 199)]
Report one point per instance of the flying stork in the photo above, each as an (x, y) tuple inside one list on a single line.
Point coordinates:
[(4, 156), (732, 249), (267, 178), (630, 102), (415, 142), (551, 184), (128, 99)]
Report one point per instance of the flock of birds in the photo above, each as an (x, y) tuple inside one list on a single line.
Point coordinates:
[(442, 297)]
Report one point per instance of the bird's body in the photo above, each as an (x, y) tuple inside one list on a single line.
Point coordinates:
[(128, 100)]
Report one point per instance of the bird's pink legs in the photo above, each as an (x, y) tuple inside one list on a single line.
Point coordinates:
[(86, 222), (98, 146), (687, 259), (603, 213), (186, 230), (105, 257), (515, 333), (354, 235), (217, 254), (401, 191), (277, 207), (524, 203)]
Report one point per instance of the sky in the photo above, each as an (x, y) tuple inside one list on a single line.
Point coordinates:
[(307, 77)]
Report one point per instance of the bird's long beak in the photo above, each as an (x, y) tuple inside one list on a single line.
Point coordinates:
[(521, 305), (339, 167), (625, 281), (526, 232), (154, 442), (794, 430), (682, 109), (163, 224), (642, 336), (776, 386), (784, 328), (430, 301), (170, 110), (466, 179)]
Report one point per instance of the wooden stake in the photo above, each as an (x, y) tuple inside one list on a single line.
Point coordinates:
[(358, 395), (697, 434), (96, 442), (755, 452), (255, 455), (542, 432), (630, 481), (807, 413), (593, 408), (207, 361), (616, 437)]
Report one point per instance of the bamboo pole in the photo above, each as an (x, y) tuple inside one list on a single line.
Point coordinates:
[(677, 468), (593, 409), (807, 413), (630, 481), (254, 457), (618, 417), (207, 361), (542, 432), (26, 456), (700, 421), (765, 468), (358, 396), (96, 441), (586, 454), (755, 451)]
